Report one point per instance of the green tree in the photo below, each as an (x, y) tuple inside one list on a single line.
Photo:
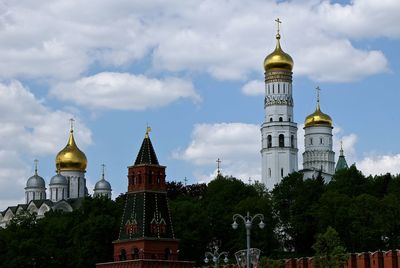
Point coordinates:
[(329, 251)]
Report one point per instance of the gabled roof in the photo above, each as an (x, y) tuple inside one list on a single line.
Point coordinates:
[(146, 155)]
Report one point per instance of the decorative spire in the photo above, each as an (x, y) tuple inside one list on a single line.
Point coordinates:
[(218, 166), (146, 155), (36, 166), (341, 148), (102, 173)]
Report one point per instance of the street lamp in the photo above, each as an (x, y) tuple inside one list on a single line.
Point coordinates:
[(215, 256), (248, 222)]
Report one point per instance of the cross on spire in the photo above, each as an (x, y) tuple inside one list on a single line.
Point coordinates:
[(71, 120), (318, 89), (102, 174), (277, 24), (218, 166), (185, 180), (36, 165)]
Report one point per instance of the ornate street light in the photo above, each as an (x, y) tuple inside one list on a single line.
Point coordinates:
[(248, 222), (215, 256)]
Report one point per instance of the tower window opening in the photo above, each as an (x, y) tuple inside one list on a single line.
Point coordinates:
[(279, 90), (320, 141), (280, 119), (269, 141), (282, 172), (269, 172), (292, 141), (310, 141), (270, 120), (122, 256), (290, 119), (281, 140)]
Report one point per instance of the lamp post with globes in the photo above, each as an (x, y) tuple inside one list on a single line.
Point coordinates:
[(215, 256), (248, 222)]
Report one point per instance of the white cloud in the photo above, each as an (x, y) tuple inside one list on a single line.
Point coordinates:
[(236, 144), (254, 88), (29, 130), (380, 164), (226, 39), (124, 91)]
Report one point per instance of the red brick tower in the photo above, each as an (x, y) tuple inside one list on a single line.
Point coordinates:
[(146, 236)]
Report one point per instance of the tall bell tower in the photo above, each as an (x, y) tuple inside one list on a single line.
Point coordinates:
[(279, 131)]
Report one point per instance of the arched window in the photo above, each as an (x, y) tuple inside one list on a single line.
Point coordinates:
[(122, 256), (279, 90), (310, 141), (269, 172), (282, 172), (321, 141), (135, 253), (167, 253), (280, 119), (281, 140), (269, 141), (289, 119), (292, 141), (270, 120), (273, 89)]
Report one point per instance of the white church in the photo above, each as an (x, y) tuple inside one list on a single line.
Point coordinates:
[(279, 149), (66, 188)]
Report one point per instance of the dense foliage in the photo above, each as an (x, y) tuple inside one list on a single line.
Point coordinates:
[(352, 213)]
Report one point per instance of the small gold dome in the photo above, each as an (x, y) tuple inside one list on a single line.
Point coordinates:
[(278, 59), (318, 118), (71, 158)]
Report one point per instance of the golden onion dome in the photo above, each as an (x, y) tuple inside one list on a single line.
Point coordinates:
[(71, 158), (318, 118), (278, 59)]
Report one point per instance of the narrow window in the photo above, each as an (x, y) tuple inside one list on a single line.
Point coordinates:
[(281, 140), (273, 89), (292, 141), (310, 141), (279, 90), (290, 119), (122, 256), (269, 141), (280, 119), (270, 120), (282, 172), (269, 172), (320, 141)]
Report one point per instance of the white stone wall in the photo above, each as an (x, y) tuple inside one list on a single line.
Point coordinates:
[(34, 194), (102, 193), (76, 183), (58, 192)]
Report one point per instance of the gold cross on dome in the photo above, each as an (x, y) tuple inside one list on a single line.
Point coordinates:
[(71, 121), (277, 24), (318, 92)]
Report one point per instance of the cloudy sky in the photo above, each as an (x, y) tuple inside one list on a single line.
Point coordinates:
[(192, 70)]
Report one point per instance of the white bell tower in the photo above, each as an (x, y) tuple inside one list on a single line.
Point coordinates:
[(279, 131)]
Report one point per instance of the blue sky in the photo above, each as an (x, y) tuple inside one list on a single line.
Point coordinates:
[(192, 71)]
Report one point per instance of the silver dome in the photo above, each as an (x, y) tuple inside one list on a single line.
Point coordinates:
[(102, 185), (35, 182), (58, 179)]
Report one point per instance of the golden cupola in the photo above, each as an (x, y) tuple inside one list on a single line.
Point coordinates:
[(278, 59), (318, 118), (71, 158)]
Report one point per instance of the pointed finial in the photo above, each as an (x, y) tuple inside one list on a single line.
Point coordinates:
[(218, 166), (318, 89), (249, 180), (102, 173), (148, 130), (341, 147), (36, 166), (71, 120), (278, 36)]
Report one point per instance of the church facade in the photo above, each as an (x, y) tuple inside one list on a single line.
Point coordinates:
[(66, 188), (279, 151)]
